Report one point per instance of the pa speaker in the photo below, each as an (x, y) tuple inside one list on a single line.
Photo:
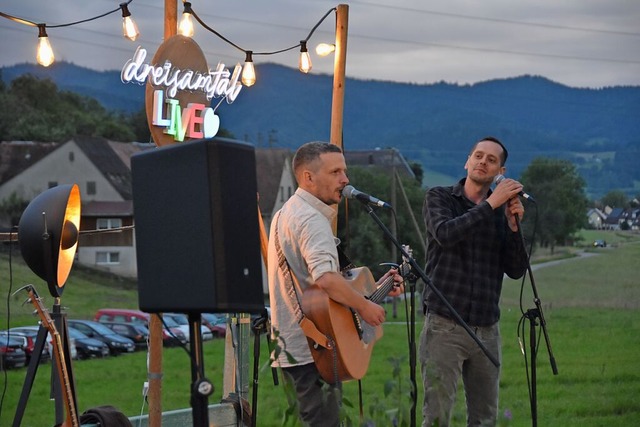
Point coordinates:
[(196, 228)]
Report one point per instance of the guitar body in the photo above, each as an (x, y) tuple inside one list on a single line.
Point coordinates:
[(353, 337)]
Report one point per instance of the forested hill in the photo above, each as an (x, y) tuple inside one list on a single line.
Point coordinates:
[(434, 124)]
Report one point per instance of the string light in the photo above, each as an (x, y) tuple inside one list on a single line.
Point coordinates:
[(324, 49), (129, 27), (185, 27), (304, 64), (44, 53), (248, 71), (130, 30)]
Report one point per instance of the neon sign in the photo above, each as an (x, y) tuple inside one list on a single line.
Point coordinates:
[(179, 90), (216, 83)]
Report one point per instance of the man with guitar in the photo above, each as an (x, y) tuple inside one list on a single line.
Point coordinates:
[(303, 253), (472, 241)]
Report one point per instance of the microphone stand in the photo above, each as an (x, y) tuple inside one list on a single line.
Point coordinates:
[(412, 279), (416, 268), (532, 315)]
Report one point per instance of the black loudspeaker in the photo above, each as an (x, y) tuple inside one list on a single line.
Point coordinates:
[(196, 228)]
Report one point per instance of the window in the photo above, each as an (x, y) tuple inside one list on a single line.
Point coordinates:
[(103, 258), (108, 223), (91, 187)]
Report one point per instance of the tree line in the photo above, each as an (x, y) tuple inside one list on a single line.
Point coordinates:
[(35, 110)]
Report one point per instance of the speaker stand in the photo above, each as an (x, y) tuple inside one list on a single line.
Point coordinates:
[(201, 387)]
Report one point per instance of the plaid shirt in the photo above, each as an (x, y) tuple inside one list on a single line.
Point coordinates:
[(469, 249)]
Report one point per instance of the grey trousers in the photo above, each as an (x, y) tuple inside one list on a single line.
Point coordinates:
[(318, 402), (446, 352)]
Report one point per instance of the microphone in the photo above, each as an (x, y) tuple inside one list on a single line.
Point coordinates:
[(351, 193), (499, 178)]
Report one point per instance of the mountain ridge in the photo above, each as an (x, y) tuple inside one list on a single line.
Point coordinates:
[(433, 124)]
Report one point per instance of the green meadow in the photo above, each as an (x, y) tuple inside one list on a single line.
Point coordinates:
[(590, 304)]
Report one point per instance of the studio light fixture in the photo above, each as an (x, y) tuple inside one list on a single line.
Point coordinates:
[(185, 26), (44, 53), (48, 234), (129, 26), (248, 71), (304, 64)]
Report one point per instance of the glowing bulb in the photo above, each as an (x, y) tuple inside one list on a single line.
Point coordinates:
[(44, 53), (129, 27), (185, 27), (248, 71), (304, 64), (324, 49)]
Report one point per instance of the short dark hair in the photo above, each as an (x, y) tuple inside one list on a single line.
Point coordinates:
[(311, 151), (505, 153)]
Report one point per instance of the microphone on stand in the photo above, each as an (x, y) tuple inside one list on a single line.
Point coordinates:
[(499, 178), (351, 193)]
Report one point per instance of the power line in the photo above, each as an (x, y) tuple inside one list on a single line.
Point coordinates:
[(500, 20)]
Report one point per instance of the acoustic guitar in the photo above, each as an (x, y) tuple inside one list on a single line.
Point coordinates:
[(352, 338), (72, 419)]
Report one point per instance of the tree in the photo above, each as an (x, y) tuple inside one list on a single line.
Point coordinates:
[(11, 209), (615, 199), (363, 240), (561, 201)]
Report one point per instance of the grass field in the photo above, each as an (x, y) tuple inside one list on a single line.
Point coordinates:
[(590, 305)]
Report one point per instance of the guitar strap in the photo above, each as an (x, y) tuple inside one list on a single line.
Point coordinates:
[(308, 327)]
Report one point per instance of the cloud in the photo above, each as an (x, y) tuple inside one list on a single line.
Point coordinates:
[(585, 43)]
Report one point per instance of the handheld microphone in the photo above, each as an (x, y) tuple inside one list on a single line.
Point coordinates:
[(499, 178), (351, 193)]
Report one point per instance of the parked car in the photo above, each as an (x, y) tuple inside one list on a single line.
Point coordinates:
[(216, 324), (88, 347), (31, 334), (12, 354), (172, 335), (183, 321), (121, 315), (600, 244), (117, 343), (139, 334), (33, 330)]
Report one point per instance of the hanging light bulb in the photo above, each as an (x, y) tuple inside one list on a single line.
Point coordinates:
[(324, 49), (129, 27), (304, 64), (185, 27), (248, 71), (44, 53)]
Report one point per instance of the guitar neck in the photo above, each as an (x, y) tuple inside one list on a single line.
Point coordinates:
[(69, 400), (61, 361), (385, 287)]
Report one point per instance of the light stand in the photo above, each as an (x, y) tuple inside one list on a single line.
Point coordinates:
[(535, 317), (48, 237)]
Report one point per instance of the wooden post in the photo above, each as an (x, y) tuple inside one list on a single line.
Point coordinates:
[(155, 324), (339, 68)]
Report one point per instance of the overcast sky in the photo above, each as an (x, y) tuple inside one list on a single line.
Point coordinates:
[(579, 43)]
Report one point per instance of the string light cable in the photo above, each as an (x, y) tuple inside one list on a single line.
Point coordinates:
[(248, 72), (44, 53)]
